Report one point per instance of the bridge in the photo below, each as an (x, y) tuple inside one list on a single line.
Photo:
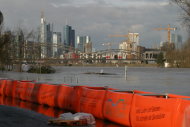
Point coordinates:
[(102, 56)]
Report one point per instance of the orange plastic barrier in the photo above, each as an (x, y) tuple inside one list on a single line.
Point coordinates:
[(27, 94), (64, 96), (19, 89), (47, 94), (92, 100), (76, 96), (2, 85), (15, 82), (35, 92), (117, 106), (68, 97), (8, 88), (148, 111)]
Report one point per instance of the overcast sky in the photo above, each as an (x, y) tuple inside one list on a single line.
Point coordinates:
[(98, 18)]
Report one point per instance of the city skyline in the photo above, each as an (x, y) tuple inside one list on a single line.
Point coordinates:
[(98, 18)]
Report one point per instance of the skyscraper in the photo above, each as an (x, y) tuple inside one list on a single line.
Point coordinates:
[(46, 33), (177, 40), (72, 38), (84, 43), (42, 29), (56, 44), (43, 33), (69, 36), (49, 39)]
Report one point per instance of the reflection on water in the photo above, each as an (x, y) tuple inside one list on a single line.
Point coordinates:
[(161, 80), (46, 110)]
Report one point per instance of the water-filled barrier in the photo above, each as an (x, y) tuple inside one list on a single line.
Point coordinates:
[(130, 108)]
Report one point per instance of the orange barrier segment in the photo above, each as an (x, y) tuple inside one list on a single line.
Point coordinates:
[(68, 97), (148, 111), (20, 88), (47, 94), (92, 100), (2, 85), (35, 93), (29, 87), (63, 97), (117, 106), (184, 117), (75, 98), (8, 89)]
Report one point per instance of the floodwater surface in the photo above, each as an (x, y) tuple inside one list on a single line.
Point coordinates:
[(161, 80)]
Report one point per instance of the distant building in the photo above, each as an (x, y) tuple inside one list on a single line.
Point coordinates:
[(57, 46), (177, 40), (84, 44), (69, 36), (88, 47), (19, 44), (151, 55), (126, 46), (43, 37), (80, 43), (132, 43), (49, 39), (134, 37), (46, 35)]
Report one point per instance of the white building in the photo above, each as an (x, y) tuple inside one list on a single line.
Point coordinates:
[(132, 42)]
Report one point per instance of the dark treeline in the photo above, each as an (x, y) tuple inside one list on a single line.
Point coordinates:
[(5, 41)]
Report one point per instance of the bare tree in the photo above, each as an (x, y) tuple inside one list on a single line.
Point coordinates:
[(185, 6), (5, 46)]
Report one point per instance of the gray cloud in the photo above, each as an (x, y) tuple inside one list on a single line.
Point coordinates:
[(97, 18)]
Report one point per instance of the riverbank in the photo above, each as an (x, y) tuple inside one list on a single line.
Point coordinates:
[(108, 65)]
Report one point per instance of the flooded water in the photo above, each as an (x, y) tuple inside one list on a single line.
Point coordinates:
[(161, 80)]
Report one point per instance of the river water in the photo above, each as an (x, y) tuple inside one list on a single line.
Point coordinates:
[(152, 79)]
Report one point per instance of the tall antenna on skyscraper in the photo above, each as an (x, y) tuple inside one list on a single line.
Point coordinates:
[(66, 22), (42, 14)]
